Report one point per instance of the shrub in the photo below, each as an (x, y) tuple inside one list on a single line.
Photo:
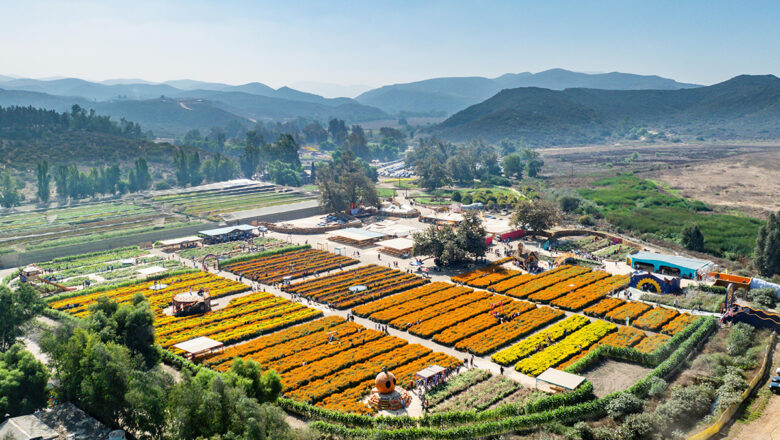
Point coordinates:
[(657, 386), (456, 197), (731, 390), (765, 297), (587, 220), (623, 405), (740, 339), (569, 203), (637, 426)]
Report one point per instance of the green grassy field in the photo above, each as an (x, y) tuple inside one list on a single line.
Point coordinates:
[(642, 207)]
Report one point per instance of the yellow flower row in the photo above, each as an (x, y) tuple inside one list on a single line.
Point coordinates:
[(539, 340), (570, 346)]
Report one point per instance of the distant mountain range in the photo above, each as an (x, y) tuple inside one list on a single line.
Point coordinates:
[(449, 95), (744, 106), (174, 107)]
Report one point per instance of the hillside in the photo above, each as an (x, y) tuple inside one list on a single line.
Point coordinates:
[(745, 106), (29, 135), (177, 106), (450, 95)]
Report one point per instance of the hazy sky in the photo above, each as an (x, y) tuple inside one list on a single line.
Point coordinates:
[(379, 42)]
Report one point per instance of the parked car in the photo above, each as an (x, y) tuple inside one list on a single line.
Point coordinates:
[(774, 386)]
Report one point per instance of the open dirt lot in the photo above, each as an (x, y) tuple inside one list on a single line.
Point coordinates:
[(613, 376), (746, 181)]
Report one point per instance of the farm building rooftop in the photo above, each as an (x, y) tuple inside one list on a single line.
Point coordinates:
[(684, 262)]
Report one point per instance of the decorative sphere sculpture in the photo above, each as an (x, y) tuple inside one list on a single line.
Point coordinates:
[(385, 382)]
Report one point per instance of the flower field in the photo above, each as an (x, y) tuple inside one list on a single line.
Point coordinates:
[(389, 308), (651, 343), (630, 310), (331, 362), (505, 333), (678, 323), (557, 290), (565, 349), (335, 290), (158, 299), (493, 278), (625, 337), (531, 344), (244, 317), (591, 293), (545, 280), (482, 322), (293, 264), (603, 307), (468, 277), (655, 318)]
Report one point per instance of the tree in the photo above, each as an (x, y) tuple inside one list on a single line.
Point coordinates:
[(432, 174), (536, 216), (250, 160), (194, 169), (534, 166), (513, 166), (218, 168), (17, 308), (344, 184), (314, 133), (131, 325), (766, 256), (146, 403), (470, 235), (450, 245), (357, 143), (9, 191), (44, 179), (61, 179), (23, 381), (265, 387), (139, 177), (692, 238), (282, 174), (338, 131), (392, 133), (569, 203)]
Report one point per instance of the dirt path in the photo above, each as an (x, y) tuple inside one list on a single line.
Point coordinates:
[(613, 376), (767, 426)]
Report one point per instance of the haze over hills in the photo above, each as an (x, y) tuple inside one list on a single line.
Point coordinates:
[(449, 95), (746, 106), (175, 107)]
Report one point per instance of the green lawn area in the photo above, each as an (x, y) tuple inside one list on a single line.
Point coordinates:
[(641, 206), (386, 192)]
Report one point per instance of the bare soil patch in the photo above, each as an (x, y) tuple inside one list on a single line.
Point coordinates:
[(611, 376), (747, 181)]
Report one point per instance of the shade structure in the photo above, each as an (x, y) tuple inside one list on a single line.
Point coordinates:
[(355, 237), (561, 379), (198, 346), (397, 247)]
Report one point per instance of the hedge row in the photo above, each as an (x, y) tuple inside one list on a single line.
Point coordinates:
[(712, 289), (242, 258), (581, 411)]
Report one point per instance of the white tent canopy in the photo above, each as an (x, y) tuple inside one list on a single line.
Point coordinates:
[(182, 240), (560, 378), (198, 345), (151, 270), (398, 244), (429, 372)]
